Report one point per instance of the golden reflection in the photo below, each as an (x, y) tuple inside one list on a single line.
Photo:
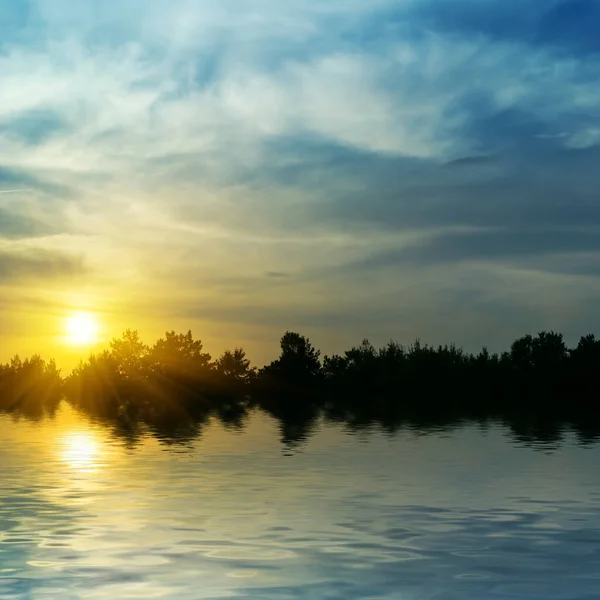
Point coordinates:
[(80, 450)]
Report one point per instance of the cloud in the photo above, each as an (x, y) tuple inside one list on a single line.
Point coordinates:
[(26, 183), (17, 266), (273, 154), (16, 226), (500, 246), (33, 127), (567, 25)]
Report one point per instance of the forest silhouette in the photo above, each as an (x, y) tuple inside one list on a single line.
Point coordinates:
[(538, 388)]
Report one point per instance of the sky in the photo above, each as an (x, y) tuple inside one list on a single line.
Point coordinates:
[(381, 169)]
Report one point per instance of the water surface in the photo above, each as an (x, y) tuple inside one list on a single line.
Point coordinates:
[(466, 513)]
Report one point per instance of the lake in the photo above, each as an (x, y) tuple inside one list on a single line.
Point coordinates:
[(470, 512)]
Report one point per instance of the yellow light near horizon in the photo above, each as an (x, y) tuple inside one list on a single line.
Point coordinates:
[(82, 329)]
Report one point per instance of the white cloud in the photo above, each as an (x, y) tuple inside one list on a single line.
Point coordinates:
[(584, 138)]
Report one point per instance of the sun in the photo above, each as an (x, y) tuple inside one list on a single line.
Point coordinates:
[(82, 329)]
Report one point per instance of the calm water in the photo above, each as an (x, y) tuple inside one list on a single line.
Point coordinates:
[(464, 514)]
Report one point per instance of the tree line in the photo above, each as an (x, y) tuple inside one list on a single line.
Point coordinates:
[(174, 384)]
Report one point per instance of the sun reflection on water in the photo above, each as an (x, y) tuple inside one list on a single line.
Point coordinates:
[(80, 450)]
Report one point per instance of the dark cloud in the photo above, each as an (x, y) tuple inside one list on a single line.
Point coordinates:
[(505, 131), (12, 178), (531, 197), (32, 208), (295, 316), (570, 25), (16, 226), (34, 127), (547, 187), (17, 266), (470, 160), (500, 246)]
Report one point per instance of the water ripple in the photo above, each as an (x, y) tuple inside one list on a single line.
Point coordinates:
[(407, 518)]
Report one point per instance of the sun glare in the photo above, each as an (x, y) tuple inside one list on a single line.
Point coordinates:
[(82, 329), (79, 450)]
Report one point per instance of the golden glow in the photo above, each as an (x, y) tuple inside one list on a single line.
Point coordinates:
[(79, 450), (82, 329)]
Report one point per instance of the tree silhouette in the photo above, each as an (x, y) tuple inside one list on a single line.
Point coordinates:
[(298, 362), (129, 353), (32, 387), (179, 355), (587, 352), (521, 353), (234, 366), (548, 351), (536, 387)]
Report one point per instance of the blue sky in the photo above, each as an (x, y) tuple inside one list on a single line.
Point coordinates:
[(383, 169)]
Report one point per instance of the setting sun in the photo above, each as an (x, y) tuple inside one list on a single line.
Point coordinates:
[(82, 329)]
